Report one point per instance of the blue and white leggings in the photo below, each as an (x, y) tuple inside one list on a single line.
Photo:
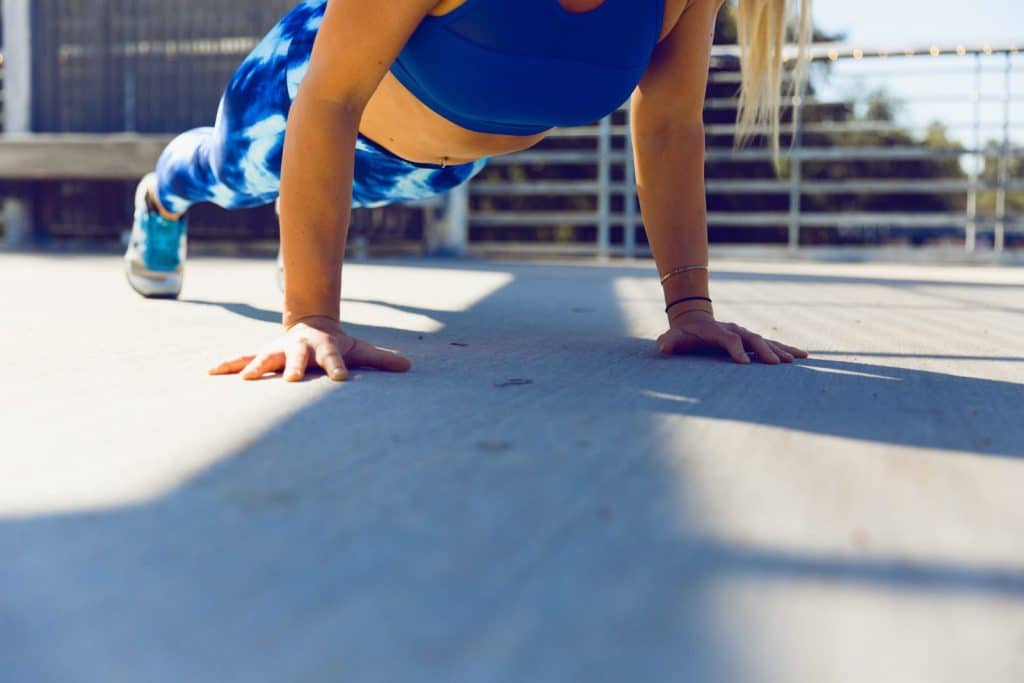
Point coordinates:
[(237, 162)]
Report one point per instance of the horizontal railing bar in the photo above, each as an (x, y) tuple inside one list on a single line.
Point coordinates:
[(750, 219), (62, 155), (227, 45), (717, 249), (850, 219), (716, 76), (849, 153), (555, 157), (712, 186), (579, 187), (835, 50), (817, 51), (859, 126), (803, 153), (540, 218), (548, 248), (590, 131), (840, 186), (786, 103)]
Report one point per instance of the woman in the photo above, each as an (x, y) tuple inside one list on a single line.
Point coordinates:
[(389, 101)]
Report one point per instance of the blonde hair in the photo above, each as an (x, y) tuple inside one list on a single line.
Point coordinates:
[(761, 33)]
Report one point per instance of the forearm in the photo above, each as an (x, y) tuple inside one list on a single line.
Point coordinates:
[(670, 184), (316, 196)]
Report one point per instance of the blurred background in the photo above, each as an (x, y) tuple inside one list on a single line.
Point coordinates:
[(906, 142)]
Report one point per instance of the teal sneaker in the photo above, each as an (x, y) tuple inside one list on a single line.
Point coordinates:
[(154, 262)]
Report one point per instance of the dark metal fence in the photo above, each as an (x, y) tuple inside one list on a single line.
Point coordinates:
[(151, 66), (1, 72), (147, 66)]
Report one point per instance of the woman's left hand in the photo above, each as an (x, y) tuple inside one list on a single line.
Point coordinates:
[(697, 330)]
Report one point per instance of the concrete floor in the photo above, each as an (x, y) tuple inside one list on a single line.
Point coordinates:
[(543, 498)]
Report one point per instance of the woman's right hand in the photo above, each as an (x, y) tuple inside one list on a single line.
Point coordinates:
[(320, 338)]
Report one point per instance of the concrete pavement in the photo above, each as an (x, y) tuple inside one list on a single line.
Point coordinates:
[(543, 498)]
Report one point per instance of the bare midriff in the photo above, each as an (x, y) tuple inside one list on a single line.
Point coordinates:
[(399, 121)]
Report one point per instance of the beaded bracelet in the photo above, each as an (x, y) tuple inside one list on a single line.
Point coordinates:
[(683, 269), (688, 298)]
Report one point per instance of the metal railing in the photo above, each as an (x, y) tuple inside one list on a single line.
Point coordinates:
[(735, 174), (2, 98), (747, 202)]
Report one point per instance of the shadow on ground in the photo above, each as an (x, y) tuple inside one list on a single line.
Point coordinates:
[(535, 532)]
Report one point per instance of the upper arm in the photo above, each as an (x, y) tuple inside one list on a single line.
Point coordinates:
[(356, 44), (671, 91)]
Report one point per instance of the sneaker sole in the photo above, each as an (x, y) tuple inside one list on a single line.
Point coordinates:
[(153, 284)]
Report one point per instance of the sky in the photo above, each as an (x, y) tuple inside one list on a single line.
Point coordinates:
[(902, 23)]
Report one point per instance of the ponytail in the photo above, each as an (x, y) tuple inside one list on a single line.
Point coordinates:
[(762, 28)]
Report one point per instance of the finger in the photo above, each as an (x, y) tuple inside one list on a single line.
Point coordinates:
[(759, 346), (298, 360), (673, 341), (230, 367), (329, 358), (262, 364), (796, 351), (784, 355), (367, 355), (732, 343)]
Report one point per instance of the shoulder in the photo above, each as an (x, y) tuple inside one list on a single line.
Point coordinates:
[(356, 43)]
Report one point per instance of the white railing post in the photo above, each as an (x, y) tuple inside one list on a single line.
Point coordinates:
[(19, 225), (795, 176), (629, 195), (604, 221), (453, 239), (999, 237), (971, 231), (795, 172)]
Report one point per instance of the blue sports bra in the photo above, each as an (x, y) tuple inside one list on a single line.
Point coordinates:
[(520, 67)]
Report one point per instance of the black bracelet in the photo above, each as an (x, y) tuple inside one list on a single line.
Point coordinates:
[(689, 298)]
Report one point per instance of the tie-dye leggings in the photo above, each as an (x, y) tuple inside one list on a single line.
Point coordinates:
[(237, 162)]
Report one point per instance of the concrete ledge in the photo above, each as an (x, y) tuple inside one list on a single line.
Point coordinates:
[(64, 156)]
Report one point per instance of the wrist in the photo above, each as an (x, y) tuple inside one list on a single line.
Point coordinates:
[(290, 321), (680, 314), (302, 305), (688, 304), (685, 293)]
